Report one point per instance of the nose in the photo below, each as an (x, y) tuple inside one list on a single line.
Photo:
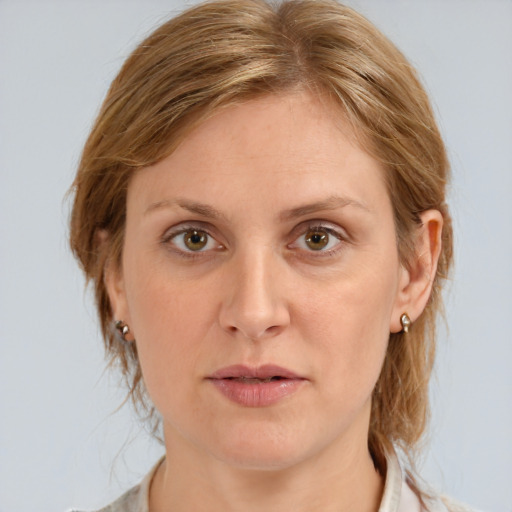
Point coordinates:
[(254, 305)]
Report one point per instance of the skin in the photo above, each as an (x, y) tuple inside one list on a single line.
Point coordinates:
[(267, 174)]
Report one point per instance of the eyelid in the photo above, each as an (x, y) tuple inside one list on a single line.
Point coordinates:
[(182, 227), (320, 225)]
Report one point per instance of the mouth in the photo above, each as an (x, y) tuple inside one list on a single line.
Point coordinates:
[(264, 373), (256, 387), (254, 380)]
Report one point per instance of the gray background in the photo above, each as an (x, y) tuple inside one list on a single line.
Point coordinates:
[(61, 442)]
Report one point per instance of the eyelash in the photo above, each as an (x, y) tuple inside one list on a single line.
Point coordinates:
[(169, 236)]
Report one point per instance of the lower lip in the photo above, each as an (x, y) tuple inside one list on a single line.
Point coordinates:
[(260, 394)]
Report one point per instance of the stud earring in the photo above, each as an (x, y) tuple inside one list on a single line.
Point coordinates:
[(406, 322), (122, 329)]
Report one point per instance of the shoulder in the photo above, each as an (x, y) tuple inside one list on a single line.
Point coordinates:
[(128, 502), (134, 500), (407, 492)]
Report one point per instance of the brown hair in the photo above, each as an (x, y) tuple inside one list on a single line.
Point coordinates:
[(222, 52)]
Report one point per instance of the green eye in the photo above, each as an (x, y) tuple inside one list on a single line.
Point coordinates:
[(317, 240), (195, 240)]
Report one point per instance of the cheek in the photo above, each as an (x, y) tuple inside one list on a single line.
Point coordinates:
[(170, 318), (161, 300), (349, 318)]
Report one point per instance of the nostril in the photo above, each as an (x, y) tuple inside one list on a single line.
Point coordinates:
[(273, 330)]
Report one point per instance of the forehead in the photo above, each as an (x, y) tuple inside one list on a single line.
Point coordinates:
[(287, 123), (292, 146)]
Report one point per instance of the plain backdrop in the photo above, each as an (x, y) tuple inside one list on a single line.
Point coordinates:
[(62, 443)]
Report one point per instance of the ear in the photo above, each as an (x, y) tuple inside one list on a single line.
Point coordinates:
[(114, 284), (416, 281)]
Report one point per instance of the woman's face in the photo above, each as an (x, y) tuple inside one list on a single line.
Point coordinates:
[(260, 278)]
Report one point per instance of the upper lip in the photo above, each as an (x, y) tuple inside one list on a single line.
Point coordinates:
[(265, 371)]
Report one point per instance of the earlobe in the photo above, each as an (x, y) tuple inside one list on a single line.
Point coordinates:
[(416, 281), (121, 322)]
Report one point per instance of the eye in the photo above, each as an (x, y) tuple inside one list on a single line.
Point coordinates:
[(190, 240), (318, 239)]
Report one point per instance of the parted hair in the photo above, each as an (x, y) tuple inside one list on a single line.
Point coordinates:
[(222, 52)]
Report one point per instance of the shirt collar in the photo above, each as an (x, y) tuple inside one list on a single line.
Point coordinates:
[(397, 496)]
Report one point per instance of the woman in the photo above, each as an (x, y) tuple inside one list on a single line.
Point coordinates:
[(261, 208)]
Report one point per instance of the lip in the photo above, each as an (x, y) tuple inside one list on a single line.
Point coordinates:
[(256, 386)]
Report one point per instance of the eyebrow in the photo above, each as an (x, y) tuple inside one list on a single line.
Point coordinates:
[(202, 209), (331, 203), (205, 210)]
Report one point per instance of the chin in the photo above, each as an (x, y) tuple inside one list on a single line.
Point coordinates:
[(263, 449)]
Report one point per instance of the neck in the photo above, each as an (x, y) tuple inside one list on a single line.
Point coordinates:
[(328, 482)]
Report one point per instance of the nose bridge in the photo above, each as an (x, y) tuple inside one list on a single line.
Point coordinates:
[(254, 305)]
